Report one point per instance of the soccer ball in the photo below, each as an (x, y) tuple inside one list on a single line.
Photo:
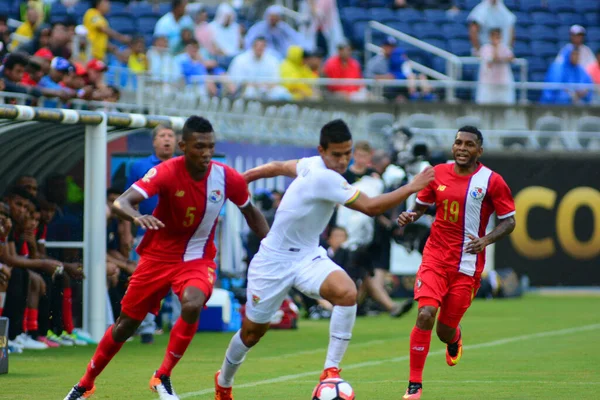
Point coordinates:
[(333, 389)]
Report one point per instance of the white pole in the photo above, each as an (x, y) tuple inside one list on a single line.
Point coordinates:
[(87, 198), (95, 226)]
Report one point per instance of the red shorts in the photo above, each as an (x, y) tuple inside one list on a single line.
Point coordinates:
[(152, 280), (447, 289)]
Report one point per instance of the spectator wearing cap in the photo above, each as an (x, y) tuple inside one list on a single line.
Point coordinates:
[(59, 69), (12, 75), (138, 62), (172, 23), (294, 67), (99, 30), (343, 66), (95, 73), (278, 35), (34, 72), (577, 38), (25, 31), (44, 56), (75, 82), (487, 15), (400, 67), (378, 67)]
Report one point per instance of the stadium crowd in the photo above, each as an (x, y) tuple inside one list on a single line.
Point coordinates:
[(93, 51)]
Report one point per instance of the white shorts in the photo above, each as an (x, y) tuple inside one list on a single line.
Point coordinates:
[(271, 276)]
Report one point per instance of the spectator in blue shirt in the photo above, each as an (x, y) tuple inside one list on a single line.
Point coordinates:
[(59, 68)]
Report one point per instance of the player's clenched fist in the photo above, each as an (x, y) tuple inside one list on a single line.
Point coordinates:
[(423, 178), (406, 218), (149, 222)]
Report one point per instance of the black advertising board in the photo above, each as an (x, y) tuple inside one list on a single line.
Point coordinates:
[(557, 238)]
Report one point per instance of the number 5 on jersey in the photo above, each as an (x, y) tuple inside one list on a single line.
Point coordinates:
[(189, 217), (454, 211)]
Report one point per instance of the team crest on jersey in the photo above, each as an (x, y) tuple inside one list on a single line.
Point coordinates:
[(477, 193), (255, 299), (215, 196), (149, 175), (346, 186), (179, 193)]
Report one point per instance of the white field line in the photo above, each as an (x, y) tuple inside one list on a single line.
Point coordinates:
[(494, 343)]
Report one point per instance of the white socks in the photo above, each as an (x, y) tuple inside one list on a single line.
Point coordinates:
[(234, 357), (340, 332)]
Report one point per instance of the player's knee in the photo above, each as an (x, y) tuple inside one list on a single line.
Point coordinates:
[(426, 317), (251, 336), (347, 297), (190, 310), (124, 328)]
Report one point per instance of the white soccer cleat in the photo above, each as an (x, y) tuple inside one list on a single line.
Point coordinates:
[(80, 393), (28, 343), (163, 387)]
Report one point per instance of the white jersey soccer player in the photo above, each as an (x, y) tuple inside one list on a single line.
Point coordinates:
[(290, 255)]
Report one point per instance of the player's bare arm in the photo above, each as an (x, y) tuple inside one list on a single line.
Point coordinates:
[(271, 170), (124, 207), (48, 266), (256, 220), (407, 217), (373, 206), (504, 228)]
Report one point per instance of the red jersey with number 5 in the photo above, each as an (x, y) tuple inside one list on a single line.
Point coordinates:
[(188, 208), (464, 205)]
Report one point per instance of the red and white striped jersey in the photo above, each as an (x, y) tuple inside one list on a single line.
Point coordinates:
[(188, 208), (464, 205)]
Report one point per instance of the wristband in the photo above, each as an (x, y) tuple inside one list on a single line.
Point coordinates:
[(59, 270)]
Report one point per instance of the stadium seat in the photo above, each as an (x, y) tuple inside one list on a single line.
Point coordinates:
[(142, 9), (436, 16), (81, 7), (571, 19), (378, 122), (543, 49), (117, 9), (164, 8), (427, 30), (586, 6), (537, 64), (378, 3), (592, 19), (358, 33), (470, 4), (122, 24), (146, 24), (522, 33), (541, 32), (587, 125), (459, 47), (402, 27), (455, 31), (563, 33), (522, 49), (551, 127), (458, 16), (531, 5), (352, 14), (524, 18), (410, 15), (58, 8), (593, 34), (544, 18), (561, 6), (419, 56), (423, 121), (380, 14), (472, 120)]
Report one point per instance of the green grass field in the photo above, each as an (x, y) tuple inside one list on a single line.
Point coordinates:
[(531, 348)]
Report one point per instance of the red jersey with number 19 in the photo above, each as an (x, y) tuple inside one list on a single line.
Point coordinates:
[(188, 208), (464, 205)]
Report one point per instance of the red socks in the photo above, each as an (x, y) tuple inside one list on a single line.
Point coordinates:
[(32, 319), (181, 336), (419, 348), (106, 350), (67, 310)]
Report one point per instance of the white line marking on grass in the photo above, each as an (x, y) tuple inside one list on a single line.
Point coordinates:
[(494, 343), (453, 382)]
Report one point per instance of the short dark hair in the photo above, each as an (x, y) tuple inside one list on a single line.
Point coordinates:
[(96, 3), (161, 127), (335, 131), (196, 124), (176, 3), (113, 190), (474, 131), (259, 39), (18, 191), (14, 59), (495, 30)]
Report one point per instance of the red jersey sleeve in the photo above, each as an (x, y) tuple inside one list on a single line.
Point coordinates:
[(426, 197), (155, 179), (502, 198), (236, 188)]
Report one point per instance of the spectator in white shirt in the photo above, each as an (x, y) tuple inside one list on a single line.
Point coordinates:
[(496, 81), (256, 64), (226, 33), (171, 24), (163, 65), (586, 55), (487, 15), (278, 35)]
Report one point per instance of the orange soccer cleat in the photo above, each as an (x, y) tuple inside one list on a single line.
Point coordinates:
[(80, 393), (413, 392), (454, 352), (222, 393), (330, 373)]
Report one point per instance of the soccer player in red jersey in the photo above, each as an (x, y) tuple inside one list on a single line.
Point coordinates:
[(465, 194), (177, 251)]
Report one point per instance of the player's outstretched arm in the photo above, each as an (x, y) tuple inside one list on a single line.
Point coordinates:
[(504, 228), (271, 170), (256, 220), (124, 208), (373, 206)]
